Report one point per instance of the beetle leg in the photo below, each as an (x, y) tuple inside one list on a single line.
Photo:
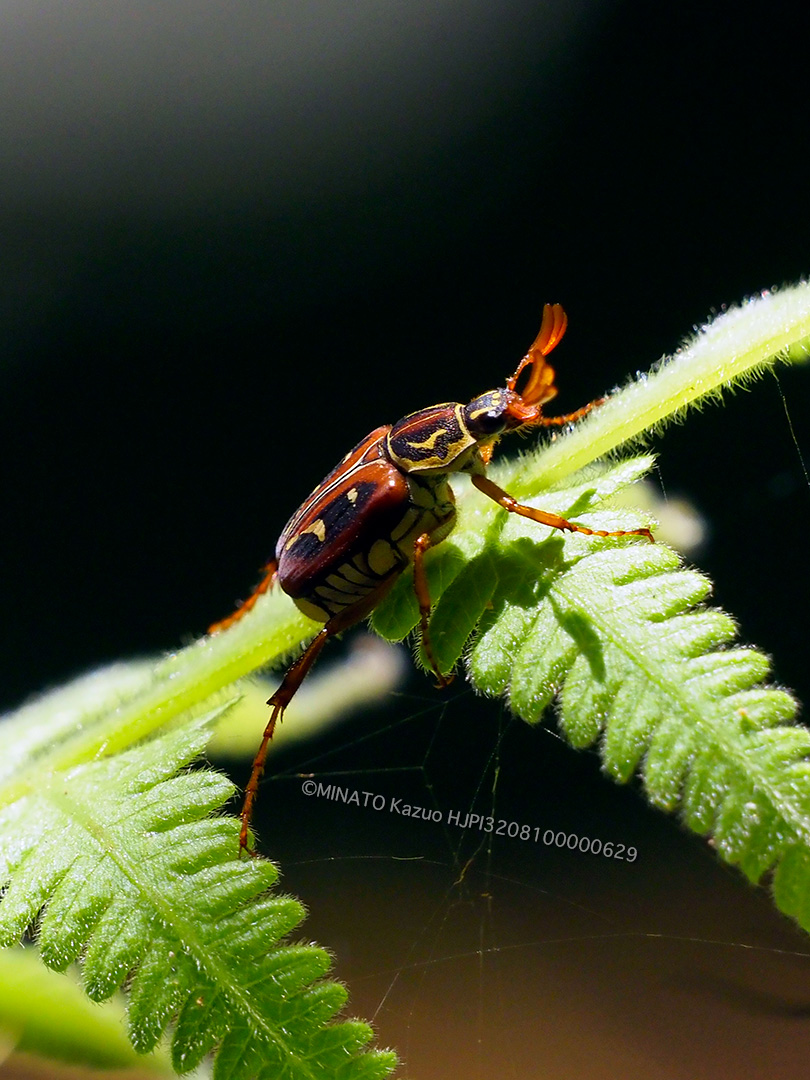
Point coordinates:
[(264, 585), (420, 585), (569, 418), (294, 676), (504, 499)]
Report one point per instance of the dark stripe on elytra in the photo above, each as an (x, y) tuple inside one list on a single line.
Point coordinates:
[(334, 513), (322, 493)]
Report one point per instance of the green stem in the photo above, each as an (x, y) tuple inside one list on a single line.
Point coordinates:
[(740, 343), (185, 680), (195, 674)]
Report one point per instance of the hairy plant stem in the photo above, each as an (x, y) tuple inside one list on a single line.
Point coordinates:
[(737, 344)]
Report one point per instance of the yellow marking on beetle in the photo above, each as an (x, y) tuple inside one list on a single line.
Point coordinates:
[(446, 454), (357, 577), (409, 520), (430, 441), (312, 610), (336, 598), (351, 495), (382, 558), (316, 528), (495, 401), (342, 585)]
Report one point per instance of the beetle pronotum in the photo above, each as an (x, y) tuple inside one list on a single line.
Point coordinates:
[(387, 502)]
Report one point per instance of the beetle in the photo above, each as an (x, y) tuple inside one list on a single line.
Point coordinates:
[(388, 502)]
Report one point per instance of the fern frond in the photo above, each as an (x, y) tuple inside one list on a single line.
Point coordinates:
[(110, 844), (617, 634), (124, 866)]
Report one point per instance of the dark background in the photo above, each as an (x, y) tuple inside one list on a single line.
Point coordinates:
[(235, 240)]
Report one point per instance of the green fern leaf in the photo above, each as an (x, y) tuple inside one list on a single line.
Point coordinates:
[(118, 850), (124, 865), (616, 633)]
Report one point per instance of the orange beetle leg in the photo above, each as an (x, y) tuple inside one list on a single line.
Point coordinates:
[(264, 586), (504, 499)]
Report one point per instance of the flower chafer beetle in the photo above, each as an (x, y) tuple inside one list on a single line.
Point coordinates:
[(387, 502)]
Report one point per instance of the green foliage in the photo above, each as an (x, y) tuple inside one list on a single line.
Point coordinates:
[(44, 1012), (126, 863), (615, 631), (118, 852)]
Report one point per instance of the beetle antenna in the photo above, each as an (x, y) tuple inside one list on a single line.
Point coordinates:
[(555, 323), (539, 386)]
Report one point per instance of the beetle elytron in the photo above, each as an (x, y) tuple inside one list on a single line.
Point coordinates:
[(388, 502)]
